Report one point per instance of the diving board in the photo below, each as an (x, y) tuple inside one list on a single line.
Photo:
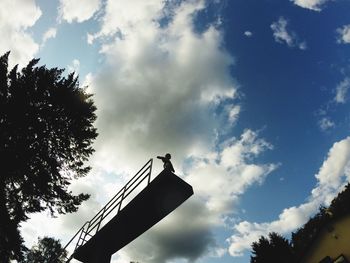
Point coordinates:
[(159, 198)]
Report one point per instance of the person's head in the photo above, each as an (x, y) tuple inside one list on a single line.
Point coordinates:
[(168, 156)]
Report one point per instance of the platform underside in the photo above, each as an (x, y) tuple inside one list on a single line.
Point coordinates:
[(163, 195)]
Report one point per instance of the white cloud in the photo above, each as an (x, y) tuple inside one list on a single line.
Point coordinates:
[(131, 15), (79, 11), (74, 67), (158, 96), (331, 179), (326, 123), (230, 172), (302, 45), (310, 4), (16, 16), (344, 34), (157, 93), (159, 89), (342, 90), (282, 34), (50, 33), (248, 34), (188, 231), (233, 113)]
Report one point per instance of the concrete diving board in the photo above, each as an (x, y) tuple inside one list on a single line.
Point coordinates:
[(163, 195)]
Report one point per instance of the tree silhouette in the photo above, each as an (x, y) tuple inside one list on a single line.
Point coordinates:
[(305, 235), (278, 248), (46, 131), (275, 249), (45, 251)]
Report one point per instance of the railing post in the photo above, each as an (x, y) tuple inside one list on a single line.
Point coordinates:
[(122, 198), (85, 232), (99, 223), (81, 233), (150, 171)]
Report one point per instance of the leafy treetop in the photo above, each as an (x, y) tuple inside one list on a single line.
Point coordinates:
[(46, 132), (45, 251)]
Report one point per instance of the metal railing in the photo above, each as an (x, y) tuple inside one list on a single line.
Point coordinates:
[(90, 228)]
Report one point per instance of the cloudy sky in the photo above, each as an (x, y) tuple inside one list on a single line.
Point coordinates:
[(250, 97)]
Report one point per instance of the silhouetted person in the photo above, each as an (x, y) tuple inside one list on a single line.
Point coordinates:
[(167, 164)]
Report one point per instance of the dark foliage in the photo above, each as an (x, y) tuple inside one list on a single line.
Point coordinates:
[(266, 250), (47, 250), (339, 207), (46, 131), (306, 234), (275, 249)]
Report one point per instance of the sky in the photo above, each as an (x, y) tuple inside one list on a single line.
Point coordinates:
[(251, 98)]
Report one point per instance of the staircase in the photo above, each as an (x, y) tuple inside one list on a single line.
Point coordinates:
[(92, 227), (121, 221)]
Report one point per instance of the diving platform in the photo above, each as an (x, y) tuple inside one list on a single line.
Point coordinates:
[(161, 196)]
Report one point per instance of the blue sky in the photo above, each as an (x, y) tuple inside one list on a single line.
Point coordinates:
[(250, 97)]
